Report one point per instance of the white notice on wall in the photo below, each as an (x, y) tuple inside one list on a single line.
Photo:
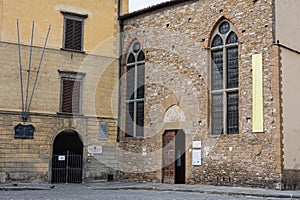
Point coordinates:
[(197, 144), (61, 158), (196, 157), (93, 149)]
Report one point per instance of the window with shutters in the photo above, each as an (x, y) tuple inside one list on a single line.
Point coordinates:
[(71, 91), (224, 80), (135, 80), (73, 31)]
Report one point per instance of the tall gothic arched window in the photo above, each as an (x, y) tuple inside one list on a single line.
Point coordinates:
[(135, 80), (224, 80)]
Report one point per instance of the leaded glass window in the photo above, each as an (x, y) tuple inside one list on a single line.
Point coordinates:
[(217, 41), (217, 113), (135, 80), (224, 80), (224, 27), (232, 67), (232, 38), (232, 112), (217, 70), (131, 58)]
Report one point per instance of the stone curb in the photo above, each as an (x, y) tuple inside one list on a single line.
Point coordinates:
[(22, 188), (282, 196), (149, 188)]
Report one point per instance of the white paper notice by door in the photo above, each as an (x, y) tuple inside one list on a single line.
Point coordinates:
[(196, 157), (93, 149), (61, 158), (197, 144)]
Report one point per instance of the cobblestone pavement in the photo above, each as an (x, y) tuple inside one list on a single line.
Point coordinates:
[(94, 194), (139, 191)]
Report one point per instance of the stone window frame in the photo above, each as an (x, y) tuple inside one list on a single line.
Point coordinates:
[(134, 52), (75, 17), (224, 91), (72, 76)]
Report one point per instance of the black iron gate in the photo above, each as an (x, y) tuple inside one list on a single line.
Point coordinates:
[(67, 168)]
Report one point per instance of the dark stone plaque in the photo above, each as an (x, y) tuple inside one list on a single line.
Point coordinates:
[(24, 131)]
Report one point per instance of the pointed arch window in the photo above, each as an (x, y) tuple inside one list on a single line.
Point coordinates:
[(135, 80), (224, 80)]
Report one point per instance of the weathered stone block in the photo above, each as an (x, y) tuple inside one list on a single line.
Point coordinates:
[(2, 177)]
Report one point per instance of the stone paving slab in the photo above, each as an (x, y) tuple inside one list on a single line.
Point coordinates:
[(236, 191), (25, 186), (221, 190)]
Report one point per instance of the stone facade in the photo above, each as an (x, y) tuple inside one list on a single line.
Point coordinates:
[(176, 40), (175, 37), (27, 160), (24, 160), (31, 159)]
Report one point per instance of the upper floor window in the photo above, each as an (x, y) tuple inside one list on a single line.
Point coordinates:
[(73, 31), (135, 80), (224, 80), (71, 91)]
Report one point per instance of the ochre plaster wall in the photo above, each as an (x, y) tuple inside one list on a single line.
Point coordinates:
[(100, 27), (24, 160)]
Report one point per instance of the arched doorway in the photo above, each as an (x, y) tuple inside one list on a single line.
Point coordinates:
[(67, 159), (174, 147)]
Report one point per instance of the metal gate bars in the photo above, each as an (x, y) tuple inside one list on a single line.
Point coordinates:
[(67, 168)]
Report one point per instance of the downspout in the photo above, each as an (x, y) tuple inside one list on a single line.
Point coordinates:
[(120, 68), (276, 42), (119, 8), (1, 19), (274, 22)]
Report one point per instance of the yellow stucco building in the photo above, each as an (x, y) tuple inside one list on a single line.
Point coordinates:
[(74, 107)]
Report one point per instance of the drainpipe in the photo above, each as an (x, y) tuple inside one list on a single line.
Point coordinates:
[(119, 8), (276, 42), (274, 22), (120, 68)]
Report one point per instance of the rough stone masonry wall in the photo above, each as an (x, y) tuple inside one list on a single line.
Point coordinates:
[(25, 160), (176, 41)]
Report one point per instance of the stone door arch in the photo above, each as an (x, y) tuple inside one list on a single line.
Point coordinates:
[(173, 148), (67, 159), (174, 114)]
